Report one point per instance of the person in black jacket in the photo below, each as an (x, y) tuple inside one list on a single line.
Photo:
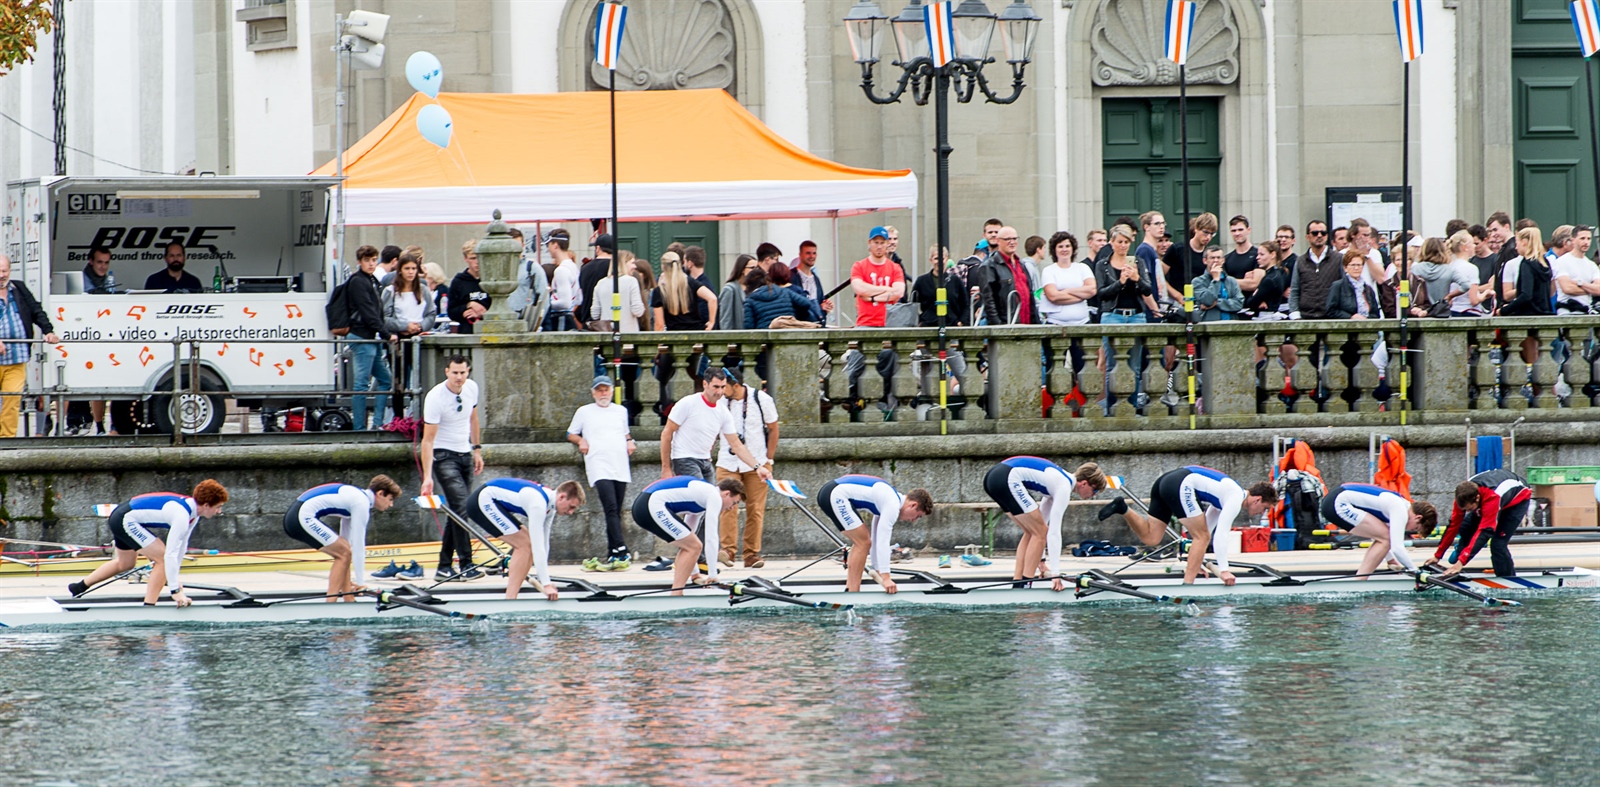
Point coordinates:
[(368, 358), (173, 278), (1342, 303), (1531, 296), (924, 291), (468, 302), (19, 315)]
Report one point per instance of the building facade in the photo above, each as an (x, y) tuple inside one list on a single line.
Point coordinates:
[(1287, 99)]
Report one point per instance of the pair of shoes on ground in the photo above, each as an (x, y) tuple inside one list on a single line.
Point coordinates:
[(392, 571), (469, 574), (975, 561), (609, 563), (725, 557)]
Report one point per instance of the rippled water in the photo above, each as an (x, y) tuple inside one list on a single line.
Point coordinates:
[(1364, 692)]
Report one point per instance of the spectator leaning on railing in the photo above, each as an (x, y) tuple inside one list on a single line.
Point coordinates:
[(369, 359), (468, 301), (730, 300), (877, 281), (1525, 283), (675, 298), (19, 315), (1216, 294), (771, 298), (1352, 297), (1577, 276)]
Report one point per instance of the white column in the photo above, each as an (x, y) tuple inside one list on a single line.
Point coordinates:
[(1433, 122)]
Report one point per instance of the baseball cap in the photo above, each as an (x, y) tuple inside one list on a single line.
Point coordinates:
[(878, 232), (606, 243), (599, 381)]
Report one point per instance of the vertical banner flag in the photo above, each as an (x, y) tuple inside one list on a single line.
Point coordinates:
[(608, 34), (1588, 29), (1408, 23), (1180, 27), (941, 32)]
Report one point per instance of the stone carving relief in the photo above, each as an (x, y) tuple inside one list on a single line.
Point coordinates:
[(672, 45), (1128, 41)]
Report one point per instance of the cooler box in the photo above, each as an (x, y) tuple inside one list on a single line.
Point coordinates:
[(1283, 539), (1256, 539)]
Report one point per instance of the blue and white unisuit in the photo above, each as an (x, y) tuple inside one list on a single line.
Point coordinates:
[(678, 504), (496, 505), (1193, 490), (351, 504), (1354, 501), (130, 525), (1013, 483), (842, 499)]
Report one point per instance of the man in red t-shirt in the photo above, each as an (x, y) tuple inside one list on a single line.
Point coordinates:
[(876, 280)]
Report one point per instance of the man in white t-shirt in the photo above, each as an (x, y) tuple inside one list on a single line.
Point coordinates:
[(601, 433), (755, 419), (1577, 276), (692, 430), (451, 454)]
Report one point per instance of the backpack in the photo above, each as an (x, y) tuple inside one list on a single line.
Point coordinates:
[(338, 309)]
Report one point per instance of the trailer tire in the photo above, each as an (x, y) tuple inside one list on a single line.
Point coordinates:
[(200, 414)]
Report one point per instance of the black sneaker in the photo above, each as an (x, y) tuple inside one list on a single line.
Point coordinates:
[(442, 574), (77, 589), (470, 574), (1114, 508), (659, 564)]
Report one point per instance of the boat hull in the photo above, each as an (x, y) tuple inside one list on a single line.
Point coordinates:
[(219, 609)]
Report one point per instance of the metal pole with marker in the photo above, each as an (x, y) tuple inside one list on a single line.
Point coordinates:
[(1180, 27), (1408, 26), (608, 29)]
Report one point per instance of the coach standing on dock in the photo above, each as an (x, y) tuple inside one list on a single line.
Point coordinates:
[(451, 454)]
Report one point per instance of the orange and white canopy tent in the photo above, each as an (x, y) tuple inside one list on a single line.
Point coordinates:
[(681, 155)]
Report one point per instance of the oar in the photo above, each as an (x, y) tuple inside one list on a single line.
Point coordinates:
[(1087, 583), (124, 575), (388, 597), (1426, 580), (741, 589), (436, 503), (789, 490)]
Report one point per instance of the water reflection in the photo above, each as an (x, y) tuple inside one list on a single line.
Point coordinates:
[(1354, 692)]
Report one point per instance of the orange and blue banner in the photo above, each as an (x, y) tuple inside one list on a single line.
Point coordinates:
[(1180, 28), (936, 17), (608, 34), (1586, 25), (1408, 24)]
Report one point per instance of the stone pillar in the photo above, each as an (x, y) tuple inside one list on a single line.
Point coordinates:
[(1230, 362), (794, 382), (498, 253), (1014, 376), (1441, 368)]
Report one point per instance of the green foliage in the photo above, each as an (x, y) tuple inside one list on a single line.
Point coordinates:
[(21, 24)]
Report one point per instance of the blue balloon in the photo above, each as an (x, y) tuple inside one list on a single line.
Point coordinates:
[(425, 73), (434, 123)]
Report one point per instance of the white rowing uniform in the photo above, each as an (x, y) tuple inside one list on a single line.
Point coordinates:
[(496, 505), (1354, 501), (177, 513), (352, 505), (1054, 484), (694, 500), (852, 493), (1220, 497)]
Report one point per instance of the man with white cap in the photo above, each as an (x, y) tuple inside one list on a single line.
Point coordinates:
[(601, 433)]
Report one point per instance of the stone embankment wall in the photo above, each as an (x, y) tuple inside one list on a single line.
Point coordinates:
[(49, 494)]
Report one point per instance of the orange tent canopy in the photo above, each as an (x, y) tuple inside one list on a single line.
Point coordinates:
[(681, 154)]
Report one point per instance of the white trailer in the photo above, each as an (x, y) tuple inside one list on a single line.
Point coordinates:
[(262, 335)]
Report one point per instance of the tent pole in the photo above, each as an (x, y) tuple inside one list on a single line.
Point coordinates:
[(836, 252)]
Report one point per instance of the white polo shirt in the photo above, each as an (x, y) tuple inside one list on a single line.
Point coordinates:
[(700, 423), (452, 413)]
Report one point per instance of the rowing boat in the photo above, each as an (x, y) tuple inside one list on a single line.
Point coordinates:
[(214, 605)]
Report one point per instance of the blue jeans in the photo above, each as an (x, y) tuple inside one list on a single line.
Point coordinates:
[(1136, 358), (369, 362)]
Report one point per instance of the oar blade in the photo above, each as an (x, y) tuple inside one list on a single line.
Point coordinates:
[(786, 488)]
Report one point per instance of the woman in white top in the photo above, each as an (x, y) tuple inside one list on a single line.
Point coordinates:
[(408, 310), (1068, 285), (632, 301)]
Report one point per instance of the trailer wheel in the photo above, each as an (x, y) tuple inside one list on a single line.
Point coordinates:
[(198, 414)]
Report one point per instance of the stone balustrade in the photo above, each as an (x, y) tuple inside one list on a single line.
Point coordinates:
[(1009, 380)]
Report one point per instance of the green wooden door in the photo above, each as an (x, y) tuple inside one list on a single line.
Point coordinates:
[(1551, 147), (650, 240), (1142, 159)]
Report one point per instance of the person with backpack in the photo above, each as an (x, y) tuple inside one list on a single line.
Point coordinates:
[(355, 308)]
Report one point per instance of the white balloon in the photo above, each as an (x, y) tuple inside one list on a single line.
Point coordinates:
[(425, 73), (434, 123)]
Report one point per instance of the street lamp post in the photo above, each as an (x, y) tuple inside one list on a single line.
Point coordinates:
[(973, 26)]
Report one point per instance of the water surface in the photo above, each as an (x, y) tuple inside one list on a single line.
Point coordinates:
[(1376, 691)]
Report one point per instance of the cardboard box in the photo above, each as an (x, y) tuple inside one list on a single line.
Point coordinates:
[(1571, 505), (1576, 516)]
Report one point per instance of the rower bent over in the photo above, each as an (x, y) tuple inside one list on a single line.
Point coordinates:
[(1010, 484), (1382, 515), (670, 509), (1489, 508), (348, 547), (1205, 502), (130, 526), (845, 498), (495, 506)]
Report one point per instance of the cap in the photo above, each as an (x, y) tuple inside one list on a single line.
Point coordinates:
[(599, 381), (556, 233), (981, 245), (878, 232), (606, 243)]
